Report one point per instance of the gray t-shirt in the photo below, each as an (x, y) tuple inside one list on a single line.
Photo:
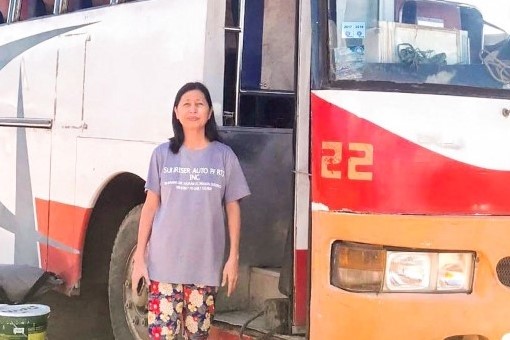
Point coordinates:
[(187, 242)]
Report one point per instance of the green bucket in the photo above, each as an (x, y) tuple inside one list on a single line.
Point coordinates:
[(23, 322)]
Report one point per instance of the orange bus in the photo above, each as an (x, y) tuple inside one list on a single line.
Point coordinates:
[(409, 108)]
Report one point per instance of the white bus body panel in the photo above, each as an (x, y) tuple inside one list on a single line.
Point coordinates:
[(106, 78)]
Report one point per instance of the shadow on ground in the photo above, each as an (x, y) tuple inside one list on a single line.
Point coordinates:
[(84, 317)]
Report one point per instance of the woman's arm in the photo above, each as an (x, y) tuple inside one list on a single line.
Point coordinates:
[(230, 271)]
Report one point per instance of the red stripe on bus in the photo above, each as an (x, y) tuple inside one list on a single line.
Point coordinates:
[(42, 212), (65, 264), (65, 224), (402, 177), (301, 287), (61, 222)]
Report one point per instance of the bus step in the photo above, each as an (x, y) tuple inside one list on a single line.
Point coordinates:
[(267, 308), (227, 326), (264, 286)]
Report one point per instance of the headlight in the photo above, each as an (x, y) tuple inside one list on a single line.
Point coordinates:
[(455, 272), (408, 271), (355, 268), (367, 268)]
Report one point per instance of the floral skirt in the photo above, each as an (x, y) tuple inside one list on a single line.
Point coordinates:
[(170, 305)]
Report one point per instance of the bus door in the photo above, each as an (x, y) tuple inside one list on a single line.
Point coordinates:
[(258, 123), (66, 219), (27, 86)]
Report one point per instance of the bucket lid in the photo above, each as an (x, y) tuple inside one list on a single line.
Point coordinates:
[(18, 311)]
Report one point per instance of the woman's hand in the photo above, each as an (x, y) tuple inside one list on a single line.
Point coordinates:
[(230, 272), (149, 209), (139, 271)]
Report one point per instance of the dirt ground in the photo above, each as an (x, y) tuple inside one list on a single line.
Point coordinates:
[(84, 317)]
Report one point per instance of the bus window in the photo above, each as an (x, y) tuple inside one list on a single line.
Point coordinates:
[(268, 72), (232, 31), (49, 6), (4, 8), (267, 110), (76, 5), (420, 42), (96, 3), (268, 47), (232, 13), (33, 8)]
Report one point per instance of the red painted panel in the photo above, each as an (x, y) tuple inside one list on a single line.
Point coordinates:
[(301, 287), (67, 225), (66, 265), (42, 208), (405, 177)]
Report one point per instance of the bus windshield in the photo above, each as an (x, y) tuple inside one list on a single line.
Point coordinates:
[(420, 42)]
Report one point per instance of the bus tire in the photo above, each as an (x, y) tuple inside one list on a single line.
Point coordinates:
[(128, 320)]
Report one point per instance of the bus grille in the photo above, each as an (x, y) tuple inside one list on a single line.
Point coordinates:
[(503, 270)]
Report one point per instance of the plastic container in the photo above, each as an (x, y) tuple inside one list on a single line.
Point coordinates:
[(23, 322)]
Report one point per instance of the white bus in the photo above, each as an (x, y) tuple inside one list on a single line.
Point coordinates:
[(86, 89)]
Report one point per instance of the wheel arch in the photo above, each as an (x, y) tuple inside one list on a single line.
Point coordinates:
[(118, 196)]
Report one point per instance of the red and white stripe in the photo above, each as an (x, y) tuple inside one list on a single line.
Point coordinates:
[(432, 154)]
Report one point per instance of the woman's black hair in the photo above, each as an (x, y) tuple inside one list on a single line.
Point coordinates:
[(211, 130)]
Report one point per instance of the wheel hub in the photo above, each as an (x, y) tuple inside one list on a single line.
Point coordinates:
[(135, 307)]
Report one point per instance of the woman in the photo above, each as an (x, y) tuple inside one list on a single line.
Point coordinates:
[(193, 179)]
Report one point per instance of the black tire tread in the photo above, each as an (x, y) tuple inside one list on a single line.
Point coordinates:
[(124, 242)]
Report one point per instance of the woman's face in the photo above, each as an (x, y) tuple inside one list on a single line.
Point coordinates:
[(193, 110)]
